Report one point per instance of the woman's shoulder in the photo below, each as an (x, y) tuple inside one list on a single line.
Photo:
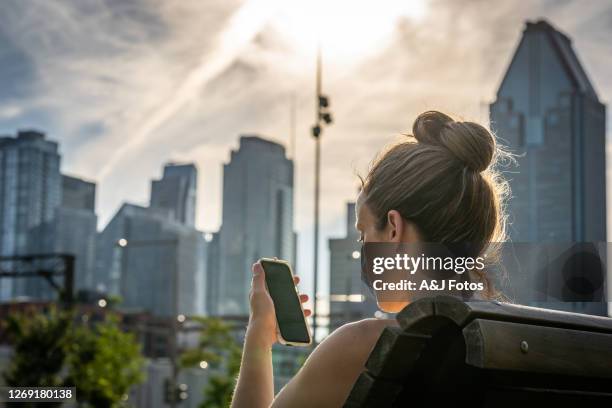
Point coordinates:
[(355, 340), (366, 329), (351, 342)]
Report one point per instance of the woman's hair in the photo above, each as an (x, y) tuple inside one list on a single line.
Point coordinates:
[(443, 178)]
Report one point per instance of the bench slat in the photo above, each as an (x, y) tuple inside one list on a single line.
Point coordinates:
[(523, 347)]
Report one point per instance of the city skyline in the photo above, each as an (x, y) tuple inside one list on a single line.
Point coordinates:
[(255, 84), (152, 150)]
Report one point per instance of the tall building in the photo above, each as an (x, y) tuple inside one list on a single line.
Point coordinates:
[(147, 254), (30, 192), (349, 297), (75, 232), (176, 192), (548, 112), (257, 217), (78, 193), (143, 253)]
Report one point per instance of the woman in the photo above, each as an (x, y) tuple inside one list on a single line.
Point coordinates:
[(438, 186)]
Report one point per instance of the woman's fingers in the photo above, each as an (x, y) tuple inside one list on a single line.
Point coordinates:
[(259, 282), (257, 268), (304, 299), (296, 279)]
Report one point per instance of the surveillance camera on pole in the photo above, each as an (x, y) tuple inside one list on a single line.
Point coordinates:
[(323, 117)]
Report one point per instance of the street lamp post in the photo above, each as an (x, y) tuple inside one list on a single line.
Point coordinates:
[(322, 118)]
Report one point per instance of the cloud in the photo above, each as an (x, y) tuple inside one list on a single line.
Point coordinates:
[(9, 111)]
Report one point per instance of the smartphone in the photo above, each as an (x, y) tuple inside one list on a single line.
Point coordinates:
[(291, 324)]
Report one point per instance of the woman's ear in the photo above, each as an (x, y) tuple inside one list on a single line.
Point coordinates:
[(395, 226), (401, 230)]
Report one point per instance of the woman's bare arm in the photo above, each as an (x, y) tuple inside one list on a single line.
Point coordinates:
[(329, 373), (255, 386)]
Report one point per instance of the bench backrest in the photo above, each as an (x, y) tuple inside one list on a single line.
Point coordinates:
[(487, 354)]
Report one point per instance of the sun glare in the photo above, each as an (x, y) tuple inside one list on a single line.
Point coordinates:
[(346, 30)]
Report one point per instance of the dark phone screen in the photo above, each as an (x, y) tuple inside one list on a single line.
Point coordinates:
[(291, 322)]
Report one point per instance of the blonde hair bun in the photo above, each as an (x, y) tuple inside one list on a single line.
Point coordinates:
[(470, 143)]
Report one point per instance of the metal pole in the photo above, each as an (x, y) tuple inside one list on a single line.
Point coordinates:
[(316, 197), (316, 235)]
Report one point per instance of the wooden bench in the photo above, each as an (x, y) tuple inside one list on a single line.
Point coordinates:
[(488, 354)]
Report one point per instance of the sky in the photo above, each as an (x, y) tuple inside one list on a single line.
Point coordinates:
[(127, 85)]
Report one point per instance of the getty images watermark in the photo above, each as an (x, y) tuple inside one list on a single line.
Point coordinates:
[(410, 265), (528, 273)]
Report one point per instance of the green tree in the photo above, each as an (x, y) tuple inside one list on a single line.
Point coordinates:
[(218, 392), (39, 345), (103, 363), (222, 353)]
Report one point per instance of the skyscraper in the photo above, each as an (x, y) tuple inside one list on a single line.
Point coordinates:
[(78, 193), (30, 192), (548, 112), (257, 217), (176, 191), (75, 231), (349, 299), (147, 254), (155, 254)]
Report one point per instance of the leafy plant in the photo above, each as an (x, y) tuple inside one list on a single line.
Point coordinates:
[(39, 344), (218, 347), (103, 363)]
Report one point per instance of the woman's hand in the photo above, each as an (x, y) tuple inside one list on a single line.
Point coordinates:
[(262, 321), (255, 386)]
